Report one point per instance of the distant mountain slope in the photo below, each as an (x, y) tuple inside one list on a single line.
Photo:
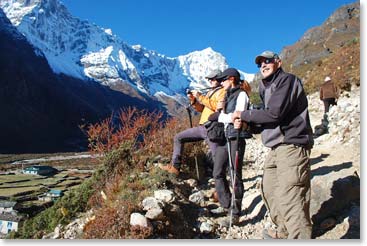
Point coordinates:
[(331, 49), (41, 111)]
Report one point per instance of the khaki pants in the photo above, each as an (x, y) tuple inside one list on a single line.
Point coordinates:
[(286, 190)]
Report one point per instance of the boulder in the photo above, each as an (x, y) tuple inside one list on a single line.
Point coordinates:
[(330, 196)]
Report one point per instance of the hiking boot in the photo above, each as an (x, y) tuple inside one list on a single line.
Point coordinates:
[(271, 233), (170, 169), (225, 221)]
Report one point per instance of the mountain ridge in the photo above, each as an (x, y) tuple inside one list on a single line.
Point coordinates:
[(330, 49), (42, 110), (98, 54)]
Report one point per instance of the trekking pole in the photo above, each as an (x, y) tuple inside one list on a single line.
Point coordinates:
[(236, 157), (232, 180), (195, 155), (234, 176), (189, 113)]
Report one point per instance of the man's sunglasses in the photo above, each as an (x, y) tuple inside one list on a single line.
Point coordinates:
[(266, 61)]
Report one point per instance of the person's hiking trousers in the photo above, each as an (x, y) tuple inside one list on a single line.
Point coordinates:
[(286, 190), (327, 103), (221, 165), (193, 134)]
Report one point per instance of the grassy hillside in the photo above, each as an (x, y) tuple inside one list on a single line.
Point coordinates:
[(343, 66)]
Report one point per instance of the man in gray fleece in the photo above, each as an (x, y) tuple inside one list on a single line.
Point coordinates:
[(287, 131)]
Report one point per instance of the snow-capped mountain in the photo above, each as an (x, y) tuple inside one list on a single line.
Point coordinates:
[(83, 50), (42, 111)]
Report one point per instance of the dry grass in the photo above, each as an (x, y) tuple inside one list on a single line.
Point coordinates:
[(343, 66)]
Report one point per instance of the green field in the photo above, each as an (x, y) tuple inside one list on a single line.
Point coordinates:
[(13, 185)]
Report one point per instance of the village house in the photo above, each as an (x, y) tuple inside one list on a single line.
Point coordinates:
[(51, 195), (7, 206), (9, 222), (40, 170), (9, 219)]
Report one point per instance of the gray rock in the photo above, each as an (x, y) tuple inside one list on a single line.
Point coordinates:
[(191, 182), (207, 227), (331, 195), (151, 203), (197, 197), (155, 214), (138, 219), (164, 195)]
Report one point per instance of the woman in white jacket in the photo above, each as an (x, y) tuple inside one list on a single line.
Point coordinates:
[(236, 99)]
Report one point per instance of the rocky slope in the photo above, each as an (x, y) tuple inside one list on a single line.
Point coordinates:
[(330, 49), (321, 41)]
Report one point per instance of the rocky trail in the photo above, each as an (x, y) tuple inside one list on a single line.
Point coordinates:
[(335, 208)]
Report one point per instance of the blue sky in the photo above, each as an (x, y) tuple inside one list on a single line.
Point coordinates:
[(238, 29)]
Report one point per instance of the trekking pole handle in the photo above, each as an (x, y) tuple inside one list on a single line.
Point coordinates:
[(189, 112)]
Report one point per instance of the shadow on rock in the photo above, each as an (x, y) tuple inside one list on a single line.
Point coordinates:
[(318, 159), (344, 191), (325, 170)]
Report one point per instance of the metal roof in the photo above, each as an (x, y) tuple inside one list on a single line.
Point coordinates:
[(10, 217), (7, 204)]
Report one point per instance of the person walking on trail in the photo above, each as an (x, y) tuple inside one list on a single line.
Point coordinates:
[(328, 93), (287, 131), (206, 104), (236, 100)]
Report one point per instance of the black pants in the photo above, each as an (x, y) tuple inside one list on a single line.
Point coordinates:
[(221, 163), (328, 102)]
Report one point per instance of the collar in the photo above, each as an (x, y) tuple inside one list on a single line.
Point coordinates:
[(272, 77), (232, 90)]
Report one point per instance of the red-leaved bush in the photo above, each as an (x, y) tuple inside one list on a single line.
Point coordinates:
[(126, 143)]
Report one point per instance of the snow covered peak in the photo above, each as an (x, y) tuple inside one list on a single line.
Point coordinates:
[(80, 49), (16, 10), (197, 64), (7, 27), (108, 31)]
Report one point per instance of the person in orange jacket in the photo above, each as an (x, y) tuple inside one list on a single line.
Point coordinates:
[(206, 104)]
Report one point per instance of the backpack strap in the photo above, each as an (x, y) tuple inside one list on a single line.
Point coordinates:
[(215, 90)]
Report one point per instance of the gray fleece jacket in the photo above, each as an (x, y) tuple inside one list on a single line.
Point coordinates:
[(285, 118)]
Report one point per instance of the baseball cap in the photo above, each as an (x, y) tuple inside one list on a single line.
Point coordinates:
[(229, 72), (213, 74), (327, 79), (266, 54)]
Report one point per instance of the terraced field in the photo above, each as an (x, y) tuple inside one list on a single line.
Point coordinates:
[(26, 189)]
